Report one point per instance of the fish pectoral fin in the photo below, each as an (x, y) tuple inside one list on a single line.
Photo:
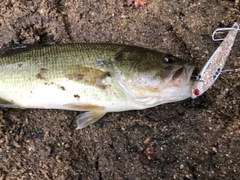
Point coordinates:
[(88, 118)]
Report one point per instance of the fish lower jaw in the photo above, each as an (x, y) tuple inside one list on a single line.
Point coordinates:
[(174, 94)]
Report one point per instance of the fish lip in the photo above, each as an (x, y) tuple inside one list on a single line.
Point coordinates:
[(189, 70)]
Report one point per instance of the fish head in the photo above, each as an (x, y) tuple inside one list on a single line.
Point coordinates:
[(151, 78), (175, 72), (175, 80)]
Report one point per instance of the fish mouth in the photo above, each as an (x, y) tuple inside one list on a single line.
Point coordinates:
[(183, 75), (180, 75)]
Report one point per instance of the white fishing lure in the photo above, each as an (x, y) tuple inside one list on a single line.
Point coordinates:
[(213, 68)]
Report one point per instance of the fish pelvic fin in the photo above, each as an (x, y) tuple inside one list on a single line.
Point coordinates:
[(88, 118)]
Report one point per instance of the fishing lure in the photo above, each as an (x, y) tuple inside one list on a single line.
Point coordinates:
[(213, 68)]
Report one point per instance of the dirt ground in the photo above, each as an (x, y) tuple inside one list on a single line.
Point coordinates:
[(173, 141)]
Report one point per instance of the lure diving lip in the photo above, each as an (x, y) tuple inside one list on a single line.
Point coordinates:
[(213, 68)]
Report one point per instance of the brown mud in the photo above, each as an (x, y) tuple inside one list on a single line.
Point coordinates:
[(172, 141)]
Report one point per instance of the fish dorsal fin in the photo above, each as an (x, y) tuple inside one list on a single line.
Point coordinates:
[(19, 48)]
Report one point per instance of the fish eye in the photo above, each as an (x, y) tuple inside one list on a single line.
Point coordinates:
[(169, 59)]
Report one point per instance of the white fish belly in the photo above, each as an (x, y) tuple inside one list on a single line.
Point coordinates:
[(64, 94)]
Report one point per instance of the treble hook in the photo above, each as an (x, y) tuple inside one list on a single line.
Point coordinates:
[(230, 71)]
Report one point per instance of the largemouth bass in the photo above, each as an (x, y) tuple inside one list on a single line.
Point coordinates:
[(96, 78)]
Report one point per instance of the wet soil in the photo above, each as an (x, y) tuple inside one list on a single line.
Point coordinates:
[(173, 141)]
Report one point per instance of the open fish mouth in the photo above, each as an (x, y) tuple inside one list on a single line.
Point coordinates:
[(180, 75)]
